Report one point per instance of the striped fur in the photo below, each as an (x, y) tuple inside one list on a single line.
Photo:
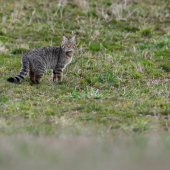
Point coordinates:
[(36, 61)]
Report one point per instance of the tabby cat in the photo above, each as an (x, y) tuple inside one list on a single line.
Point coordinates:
[(36, 61)]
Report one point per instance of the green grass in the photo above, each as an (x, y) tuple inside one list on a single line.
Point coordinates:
[(121, 67), (118, 81)]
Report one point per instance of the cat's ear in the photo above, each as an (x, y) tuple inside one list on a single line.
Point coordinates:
[(73, 39), (64, 38)]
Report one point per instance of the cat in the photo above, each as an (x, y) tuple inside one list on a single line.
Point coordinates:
[(36, 61)]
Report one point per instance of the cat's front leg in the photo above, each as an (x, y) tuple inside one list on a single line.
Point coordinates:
[(60, 77)]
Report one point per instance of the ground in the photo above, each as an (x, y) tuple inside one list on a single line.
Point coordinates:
[(117, 84)]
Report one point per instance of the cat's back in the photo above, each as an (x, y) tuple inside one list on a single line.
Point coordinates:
[(43, 51), (44, 56)]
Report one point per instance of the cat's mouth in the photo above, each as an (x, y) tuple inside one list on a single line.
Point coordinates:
[(69, 50)]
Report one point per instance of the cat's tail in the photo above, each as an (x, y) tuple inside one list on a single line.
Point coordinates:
[(23, 72)]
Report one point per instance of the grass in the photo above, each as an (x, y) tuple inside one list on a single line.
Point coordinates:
[(117, 83)]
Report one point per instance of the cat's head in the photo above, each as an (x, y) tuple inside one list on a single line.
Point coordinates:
[(69, 45)]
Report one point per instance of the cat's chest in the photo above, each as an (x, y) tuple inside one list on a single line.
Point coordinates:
[(68, 59)]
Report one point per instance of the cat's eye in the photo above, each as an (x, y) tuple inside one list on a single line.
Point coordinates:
[(63, 46)]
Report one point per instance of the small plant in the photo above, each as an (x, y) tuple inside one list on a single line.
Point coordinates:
[(94, 94), (19, 51), (146, 32)]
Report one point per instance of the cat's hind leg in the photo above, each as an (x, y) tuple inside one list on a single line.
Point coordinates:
[(38, 78), (54, 76), (32, 76), (38, 75)]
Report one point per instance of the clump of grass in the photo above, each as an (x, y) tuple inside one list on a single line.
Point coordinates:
[(94, 46), (1, 33), (19, 51), (165, 67), (114, 21), (131, 29), (146, 32), (94, 94)]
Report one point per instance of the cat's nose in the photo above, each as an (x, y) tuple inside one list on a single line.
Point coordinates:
[(69, 47)]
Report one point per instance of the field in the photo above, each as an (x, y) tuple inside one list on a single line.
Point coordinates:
[(112, 108)]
